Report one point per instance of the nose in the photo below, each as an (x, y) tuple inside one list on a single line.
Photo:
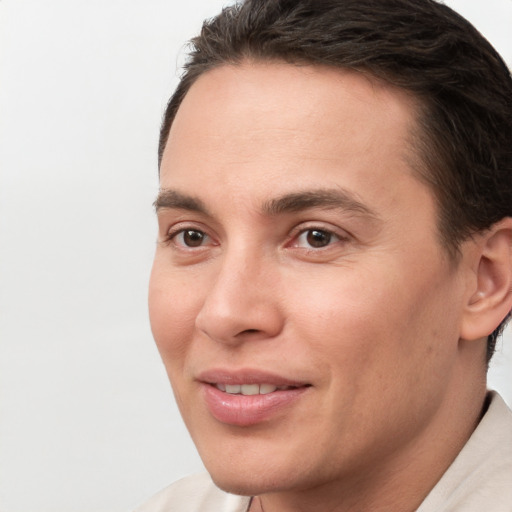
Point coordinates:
[(242, 302)]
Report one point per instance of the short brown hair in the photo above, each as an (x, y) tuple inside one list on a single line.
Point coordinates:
[(422, 46)]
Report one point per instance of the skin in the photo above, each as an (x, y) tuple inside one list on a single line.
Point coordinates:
[(371, 318)]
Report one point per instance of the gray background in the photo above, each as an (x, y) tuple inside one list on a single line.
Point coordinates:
[(87, 419)]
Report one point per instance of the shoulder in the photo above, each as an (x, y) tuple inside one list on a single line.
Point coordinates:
[(480, 477), (195, 493)]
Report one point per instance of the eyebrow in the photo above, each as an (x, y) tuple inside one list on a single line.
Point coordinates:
[(322, 198), (172, 199), (289, 203)]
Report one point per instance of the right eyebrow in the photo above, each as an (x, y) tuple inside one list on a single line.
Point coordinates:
[(172, 199)]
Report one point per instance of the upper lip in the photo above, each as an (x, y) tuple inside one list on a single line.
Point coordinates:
[(247, 376)]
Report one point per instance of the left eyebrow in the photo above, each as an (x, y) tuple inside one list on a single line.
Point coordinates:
[(322, 198)]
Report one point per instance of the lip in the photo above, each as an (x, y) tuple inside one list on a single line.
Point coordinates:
[(247, 376), (244, 411)]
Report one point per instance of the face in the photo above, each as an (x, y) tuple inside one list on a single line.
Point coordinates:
[(306, 314)]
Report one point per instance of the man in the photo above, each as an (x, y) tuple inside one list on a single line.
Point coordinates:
[(334, 259)]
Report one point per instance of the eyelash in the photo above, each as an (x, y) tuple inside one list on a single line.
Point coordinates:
[(327, 234), (330, 236), (173, 234)]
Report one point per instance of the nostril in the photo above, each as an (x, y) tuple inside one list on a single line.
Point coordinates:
[(250, 331)]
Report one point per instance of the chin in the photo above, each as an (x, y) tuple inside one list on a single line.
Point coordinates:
[(245, 486), (255, 478)]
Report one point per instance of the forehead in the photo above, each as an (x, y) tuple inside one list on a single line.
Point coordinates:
[(279, 95), (291, 126)]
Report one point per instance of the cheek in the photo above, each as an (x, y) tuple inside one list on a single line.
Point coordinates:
[(341, 304), (372, 340), (373, 318), (173, 307)]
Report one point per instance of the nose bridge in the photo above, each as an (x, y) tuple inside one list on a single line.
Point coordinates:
[(242, 298)]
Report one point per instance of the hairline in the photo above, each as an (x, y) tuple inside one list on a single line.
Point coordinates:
[(417, 140)]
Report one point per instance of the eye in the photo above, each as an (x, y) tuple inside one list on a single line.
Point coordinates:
[(316, 238), (189, 238)]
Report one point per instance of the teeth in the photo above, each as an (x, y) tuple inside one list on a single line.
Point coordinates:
[(249, 389), (267, 388)]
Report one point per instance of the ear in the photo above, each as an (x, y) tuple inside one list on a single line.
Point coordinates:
[(491, 298)]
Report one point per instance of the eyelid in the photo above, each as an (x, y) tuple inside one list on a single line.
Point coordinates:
[(178, 238), (180, 227), (333, 249), (333, 238), (341, 234)]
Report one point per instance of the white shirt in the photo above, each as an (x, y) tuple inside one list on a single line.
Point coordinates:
[(478, 480)]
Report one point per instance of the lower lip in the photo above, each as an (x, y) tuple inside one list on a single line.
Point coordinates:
[(244, 411)]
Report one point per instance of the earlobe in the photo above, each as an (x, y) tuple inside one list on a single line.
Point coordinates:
[(491, 299)]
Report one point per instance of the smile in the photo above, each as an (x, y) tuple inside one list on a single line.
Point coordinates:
[(251, 389), (234, 402)]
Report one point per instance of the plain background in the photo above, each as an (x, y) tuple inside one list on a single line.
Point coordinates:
[(87, 419)]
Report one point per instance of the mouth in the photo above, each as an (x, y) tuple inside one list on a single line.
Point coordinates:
[(248, 398), (251, 389)]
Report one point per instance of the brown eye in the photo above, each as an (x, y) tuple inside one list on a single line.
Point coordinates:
[(190, 238), (317, 238)]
